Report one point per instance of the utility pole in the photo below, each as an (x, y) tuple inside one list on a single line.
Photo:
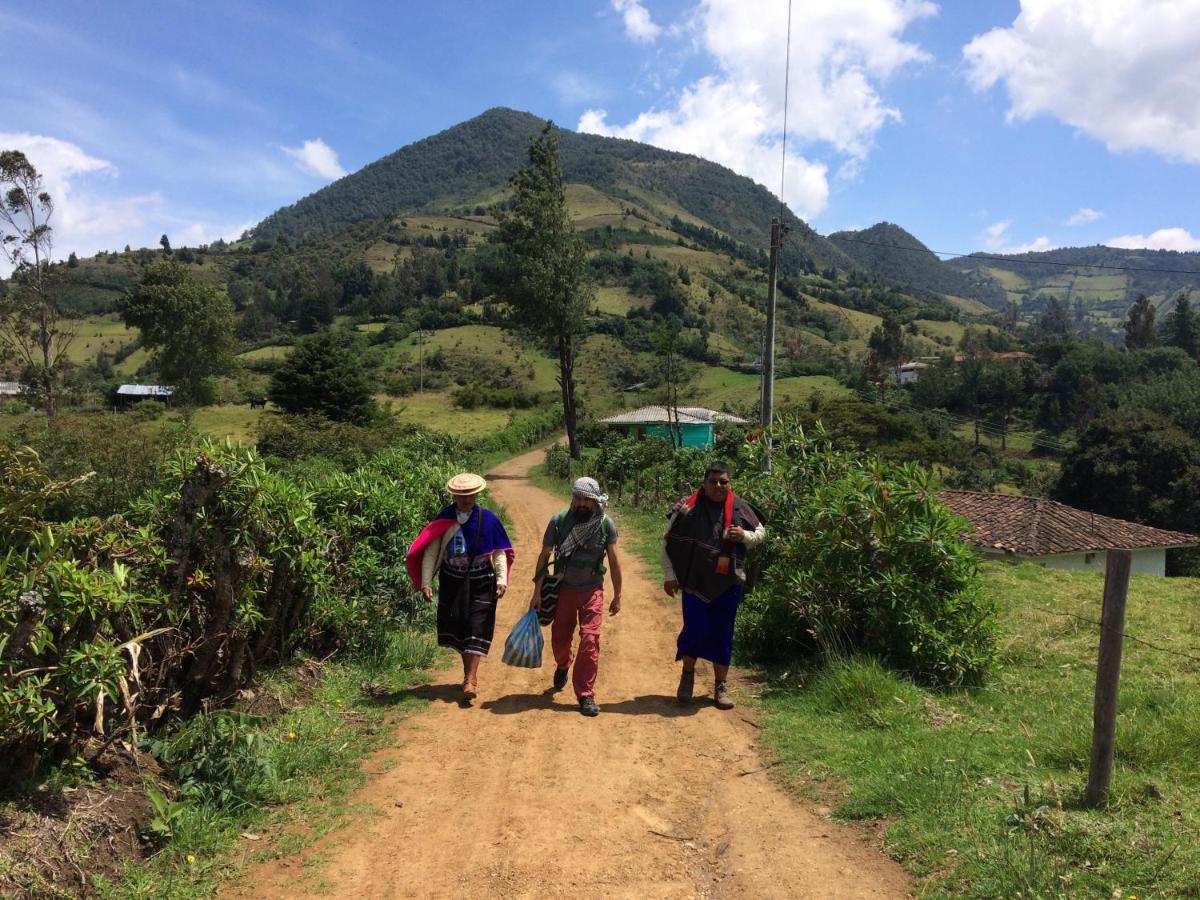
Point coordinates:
[(767, 415)]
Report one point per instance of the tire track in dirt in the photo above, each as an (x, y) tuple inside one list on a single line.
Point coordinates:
[(520, 796)]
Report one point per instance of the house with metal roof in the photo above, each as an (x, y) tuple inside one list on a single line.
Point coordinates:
[(1057, 536), (129, 394), (11, 389), (697, 424)]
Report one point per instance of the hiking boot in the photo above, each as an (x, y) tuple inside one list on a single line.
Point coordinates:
[(560, 679), (587, 706), (721, 696), (687, 683)]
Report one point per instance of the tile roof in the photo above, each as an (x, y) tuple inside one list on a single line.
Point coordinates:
[(1031, 526), (658, 415)]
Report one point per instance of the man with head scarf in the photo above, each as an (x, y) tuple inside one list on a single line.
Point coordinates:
[(581, 537), (704, 553)]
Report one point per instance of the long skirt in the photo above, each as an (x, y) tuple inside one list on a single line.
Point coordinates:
[(708, 627), (466, 616)]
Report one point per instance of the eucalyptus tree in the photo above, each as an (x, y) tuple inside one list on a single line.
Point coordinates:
[(32, 331)]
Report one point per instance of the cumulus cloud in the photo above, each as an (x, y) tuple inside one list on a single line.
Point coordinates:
[(316, 158), (638, 24), (1163, 239), (734, 115), (85, 218), (1126, 72), (1085, 216), (996, 239)]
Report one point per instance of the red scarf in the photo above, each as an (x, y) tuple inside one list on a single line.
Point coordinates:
[(691, 502)]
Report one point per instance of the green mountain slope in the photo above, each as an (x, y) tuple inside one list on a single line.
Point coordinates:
[(470, 164), (889, 252), (1102, 281)]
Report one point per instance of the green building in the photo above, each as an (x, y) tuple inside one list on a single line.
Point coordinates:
[(697, 425)]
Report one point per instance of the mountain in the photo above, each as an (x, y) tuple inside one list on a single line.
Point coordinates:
[(1102, 281), (470, 164), (890, 253)]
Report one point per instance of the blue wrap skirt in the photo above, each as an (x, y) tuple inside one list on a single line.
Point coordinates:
[(708, 627)]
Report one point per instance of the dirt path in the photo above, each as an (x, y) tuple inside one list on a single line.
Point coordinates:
[(521, 796)]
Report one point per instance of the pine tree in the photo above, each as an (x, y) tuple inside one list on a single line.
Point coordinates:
[(1180, 329), (1139, 325), (542, 269)]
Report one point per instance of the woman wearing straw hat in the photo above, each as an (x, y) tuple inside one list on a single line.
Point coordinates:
[(470, 551)]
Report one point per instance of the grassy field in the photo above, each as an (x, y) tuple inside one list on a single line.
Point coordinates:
[(238, 422), (978, 791), (618, 301), (968, 305), (273, 352), (96, 333), (486, 340), (717, 386), (436, 409)]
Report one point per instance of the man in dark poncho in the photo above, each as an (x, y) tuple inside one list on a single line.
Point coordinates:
[(704, 552)]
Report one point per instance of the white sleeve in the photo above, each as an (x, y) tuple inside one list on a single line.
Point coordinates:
[(500, 564), (755, 537)]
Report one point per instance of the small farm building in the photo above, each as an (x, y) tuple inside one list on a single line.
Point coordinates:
[(1058, 536), (129, 394), (910, 372), (697, 425), (10, 389)]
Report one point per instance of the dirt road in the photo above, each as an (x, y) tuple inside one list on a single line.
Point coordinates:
[(520, 796)]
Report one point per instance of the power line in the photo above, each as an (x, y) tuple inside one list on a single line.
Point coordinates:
[(1011, 261), (787, 74)]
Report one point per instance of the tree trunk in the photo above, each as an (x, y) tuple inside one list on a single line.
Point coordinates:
[(566, 367)]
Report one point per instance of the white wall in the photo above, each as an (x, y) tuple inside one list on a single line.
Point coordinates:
[(1152, 561)]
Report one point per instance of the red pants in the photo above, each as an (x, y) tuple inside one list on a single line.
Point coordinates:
[(587, 606)]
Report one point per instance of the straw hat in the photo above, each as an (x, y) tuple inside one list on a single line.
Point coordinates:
[(465, 484)]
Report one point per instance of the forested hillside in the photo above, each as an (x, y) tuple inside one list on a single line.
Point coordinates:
[(469, 164), (889, 252)]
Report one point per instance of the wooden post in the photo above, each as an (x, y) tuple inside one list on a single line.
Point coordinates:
[(1108, 673)]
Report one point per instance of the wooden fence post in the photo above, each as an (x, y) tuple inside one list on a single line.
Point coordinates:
[(1108, 673)]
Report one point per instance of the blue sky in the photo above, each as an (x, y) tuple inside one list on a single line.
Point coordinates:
[(988, 124)]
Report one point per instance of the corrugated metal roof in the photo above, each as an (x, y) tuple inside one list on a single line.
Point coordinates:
[(11, 388), (659, 415), (144, 390), (1032, 526)]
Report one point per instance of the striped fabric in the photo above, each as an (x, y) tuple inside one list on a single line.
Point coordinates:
[(524, 645)]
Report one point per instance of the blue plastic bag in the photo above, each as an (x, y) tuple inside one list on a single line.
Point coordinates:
[(524, 645)]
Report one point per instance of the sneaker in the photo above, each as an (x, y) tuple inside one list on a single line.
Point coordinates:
[(587, 706), (560, 679), (721, 696), (687, 683)]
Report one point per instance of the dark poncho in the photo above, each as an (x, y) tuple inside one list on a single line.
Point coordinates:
[(695, 544)]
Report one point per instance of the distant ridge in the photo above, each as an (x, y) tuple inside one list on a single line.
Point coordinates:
[(471, 162), (889, 252)]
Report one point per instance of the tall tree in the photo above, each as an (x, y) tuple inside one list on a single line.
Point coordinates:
[(1180, 328), (188, 325), (542, 271), (32, 332), (1139, 325), (666, 348), (1055, 322), (887, 342)]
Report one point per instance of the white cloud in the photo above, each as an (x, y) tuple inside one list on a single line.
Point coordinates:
[(996, 239), (316, 158), (1085, 216), (638, 24), (1163, 239), (196, 233), (84, 219), (733, 116), (1126, 72)]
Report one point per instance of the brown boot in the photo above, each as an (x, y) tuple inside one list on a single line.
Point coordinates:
[(721, 696), (687, 683)]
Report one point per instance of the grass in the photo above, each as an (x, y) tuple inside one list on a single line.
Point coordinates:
[(716, 386), (309, 768), (96, 333), (272, 352), (618, 301), (979, 790), (485, 340), (236, 421), (436, 409)]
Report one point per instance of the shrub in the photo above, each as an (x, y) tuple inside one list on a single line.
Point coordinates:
[(863, 559)]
